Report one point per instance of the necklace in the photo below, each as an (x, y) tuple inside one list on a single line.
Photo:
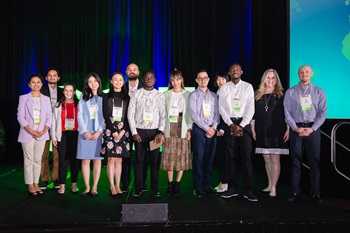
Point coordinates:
[(267, 102)]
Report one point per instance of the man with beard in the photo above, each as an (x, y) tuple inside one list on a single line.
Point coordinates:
[(236, 106), (133, 84), (146, 115), (55, 93)]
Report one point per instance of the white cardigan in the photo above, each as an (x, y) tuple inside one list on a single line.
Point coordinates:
[(56, 127)]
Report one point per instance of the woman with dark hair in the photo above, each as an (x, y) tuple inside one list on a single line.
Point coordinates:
[(64, 135), (34, 115), (91, 123), (176, 155), (115, 140), (221, 78)]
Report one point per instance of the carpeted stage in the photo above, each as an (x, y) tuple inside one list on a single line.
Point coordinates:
[(71, 213)]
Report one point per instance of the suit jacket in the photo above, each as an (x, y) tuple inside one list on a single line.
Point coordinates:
[(25, 116), (45, 91), (139, 85)]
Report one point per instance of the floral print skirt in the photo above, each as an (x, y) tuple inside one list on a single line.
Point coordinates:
[(112, 148), (176, 155)]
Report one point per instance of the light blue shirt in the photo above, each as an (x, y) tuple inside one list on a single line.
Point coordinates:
[(293, 110), (195, 108)]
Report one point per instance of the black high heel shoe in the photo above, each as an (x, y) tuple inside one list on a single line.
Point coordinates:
[(34, 194), (85, 194), (113, 195), (94, 194)]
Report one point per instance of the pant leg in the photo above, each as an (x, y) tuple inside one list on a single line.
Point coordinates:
[(45, 171), (208, 159), (140, 154), (245, 151), (55, 163), (296, 143), (71, 154), (28, 158), (197, 144), (231, 158), (153, 161), (38, 152), (312, 149), (63, 161)]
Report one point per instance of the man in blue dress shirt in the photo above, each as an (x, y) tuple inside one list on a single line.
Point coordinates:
[(305, 109), (204, 111)]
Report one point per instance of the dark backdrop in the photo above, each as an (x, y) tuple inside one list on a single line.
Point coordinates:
[(104, 36)]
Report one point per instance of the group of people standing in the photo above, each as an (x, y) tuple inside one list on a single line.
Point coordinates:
[(191, 127)]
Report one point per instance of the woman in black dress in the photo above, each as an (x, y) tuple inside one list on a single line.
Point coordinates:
[(269, 128), (115, 140)]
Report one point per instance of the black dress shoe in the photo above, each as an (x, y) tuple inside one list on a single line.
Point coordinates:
[(272, 197), (264, 192), (209, 192), (317, 199), (197, 193), (292, 197)]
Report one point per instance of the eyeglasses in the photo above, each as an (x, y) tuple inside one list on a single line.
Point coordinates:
[(203, 79)]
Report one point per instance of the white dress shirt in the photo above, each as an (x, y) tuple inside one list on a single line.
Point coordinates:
[(241, 92)]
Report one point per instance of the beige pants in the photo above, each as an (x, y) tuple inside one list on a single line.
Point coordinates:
[(32, 153)]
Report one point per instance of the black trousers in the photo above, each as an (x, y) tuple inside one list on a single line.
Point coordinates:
[(126, 169), (67, 150), (239, 148), (142, 152), (311, 145)]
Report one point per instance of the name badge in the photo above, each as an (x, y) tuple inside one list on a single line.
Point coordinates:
[(206, 109), (305, 102), (147, 117), (36, 116), (69, 124), (174, 114), (93, 110), (236, 104), (117, 113)]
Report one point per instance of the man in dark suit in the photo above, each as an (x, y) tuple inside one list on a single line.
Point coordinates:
[(55, 93), (133, 84)]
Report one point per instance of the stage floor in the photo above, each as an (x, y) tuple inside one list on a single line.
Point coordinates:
[(70, 213)]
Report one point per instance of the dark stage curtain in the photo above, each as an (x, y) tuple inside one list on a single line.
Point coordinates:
[(103, 36)]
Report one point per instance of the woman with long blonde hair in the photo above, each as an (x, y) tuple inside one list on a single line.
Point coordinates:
[(269, 128)]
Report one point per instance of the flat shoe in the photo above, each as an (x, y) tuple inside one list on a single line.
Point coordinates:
[(221, 190), (272, 197), (61, 191), (75, 190)]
